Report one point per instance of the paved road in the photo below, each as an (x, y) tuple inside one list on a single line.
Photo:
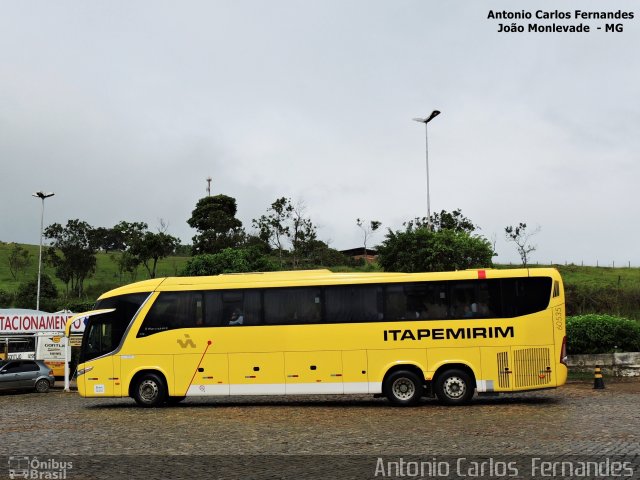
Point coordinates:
[(573, 420)]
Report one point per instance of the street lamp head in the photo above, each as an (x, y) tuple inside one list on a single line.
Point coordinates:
[(433, 115), (43, 195)]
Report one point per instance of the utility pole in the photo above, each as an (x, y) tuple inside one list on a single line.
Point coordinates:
[(42, 195), (433, 115)]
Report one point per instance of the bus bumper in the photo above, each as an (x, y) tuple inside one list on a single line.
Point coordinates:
[(561, 374)]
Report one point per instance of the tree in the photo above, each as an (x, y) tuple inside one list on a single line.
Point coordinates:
[(19, 260), (286, 223), (6, 299), (367, 231), (320, 253), (218, 228), (151, 247), (107, 239), (521, 237), (120, 239), (273, 228), (302, 234), (229, 260), (441, 246), (127, 263), (78, 254), (129, 233), (444, 221), (27, 293)]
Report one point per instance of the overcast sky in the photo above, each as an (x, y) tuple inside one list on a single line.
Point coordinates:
[(123, 109)]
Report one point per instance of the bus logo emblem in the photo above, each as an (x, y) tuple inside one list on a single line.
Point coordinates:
[(187, 342)]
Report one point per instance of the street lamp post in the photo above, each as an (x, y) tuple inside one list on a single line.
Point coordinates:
[(426, 121), (42, 195)]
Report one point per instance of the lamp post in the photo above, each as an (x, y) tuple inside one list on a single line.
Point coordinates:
[(42, 195), (426, 121)]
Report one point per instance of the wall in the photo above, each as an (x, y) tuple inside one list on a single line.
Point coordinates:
[(619, 364)]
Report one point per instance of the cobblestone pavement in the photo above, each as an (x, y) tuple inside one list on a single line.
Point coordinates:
[(572, 420)]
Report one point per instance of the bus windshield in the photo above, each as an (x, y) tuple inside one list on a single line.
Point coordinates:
[(104, 333)]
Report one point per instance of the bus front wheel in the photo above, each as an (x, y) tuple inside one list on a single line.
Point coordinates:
[(454, 387), (150, 390), (403, 388)]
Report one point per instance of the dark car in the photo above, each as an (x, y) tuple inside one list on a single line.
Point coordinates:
[(26, 374)]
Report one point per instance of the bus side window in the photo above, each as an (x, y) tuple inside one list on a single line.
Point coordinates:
[(221, 308), (213, 309), (232, 313), (523, 296), (163, 315), (252, 307), (353, 303), (291, 306)]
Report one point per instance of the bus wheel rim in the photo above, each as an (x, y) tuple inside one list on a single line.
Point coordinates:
[(454, 387), (148, 391), (403, 389)]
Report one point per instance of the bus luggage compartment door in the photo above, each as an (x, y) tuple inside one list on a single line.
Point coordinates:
[(313, 372), (497, 370), (532, 368), (256, 373)]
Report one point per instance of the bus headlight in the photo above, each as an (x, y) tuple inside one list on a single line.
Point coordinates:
[(82, 371)]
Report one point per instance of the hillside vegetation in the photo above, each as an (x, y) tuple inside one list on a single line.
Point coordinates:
[(105, 277), (606, 290)]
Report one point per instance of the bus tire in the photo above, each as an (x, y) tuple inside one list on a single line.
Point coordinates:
[(403, 388), (454, 387), (42, 385), (150, 390)]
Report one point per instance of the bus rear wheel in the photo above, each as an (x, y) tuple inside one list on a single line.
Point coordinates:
[(403, 388), (150, 390), (454, 387)]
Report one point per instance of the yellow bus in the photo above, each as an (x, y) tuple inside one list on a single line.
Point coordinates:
[(401, 335)]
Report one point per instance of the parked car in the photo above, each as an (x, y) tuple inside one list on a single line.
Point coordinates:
[(26, 374)]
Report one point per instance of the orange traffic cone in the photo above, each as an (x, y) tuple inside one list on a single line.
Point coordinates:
[(598, 381)]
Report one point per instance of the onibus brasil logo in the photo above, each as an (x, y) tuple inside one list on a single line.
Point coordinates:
[(35, 468)]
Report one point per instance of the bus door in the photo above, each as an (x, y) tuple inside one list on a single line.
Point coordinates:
[(105, 369)]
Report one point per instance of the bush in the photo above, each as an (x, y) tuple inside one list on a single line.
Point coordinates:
[(76, 306), (6, 299), (93, 291), (27, 292), (607, 299), (229, 260), (602, 334), (425, 250)]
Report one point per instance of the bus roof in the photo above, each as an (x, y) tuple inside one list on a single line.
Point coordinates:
[(315, 277)]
